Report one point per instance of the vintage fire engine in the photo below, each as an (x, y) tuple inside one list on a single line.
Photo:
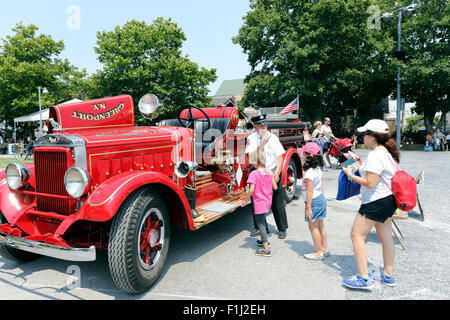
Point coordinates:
[(98, 182)]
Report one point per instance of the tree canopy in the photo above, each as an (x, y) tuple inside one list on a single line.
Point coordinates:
[(427, 69), (326, 52), (139, 58), (27, 61), (321, 50)]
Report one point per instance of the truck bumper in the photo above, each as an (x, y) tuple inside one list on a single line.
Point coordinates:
[(49, 250)]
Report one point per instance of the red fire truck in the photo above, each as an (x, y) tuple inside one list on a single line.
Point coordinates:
[(98, 182)]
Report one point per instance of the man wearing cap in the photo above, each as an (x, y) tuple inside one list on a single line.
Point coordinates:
[(263, 140)]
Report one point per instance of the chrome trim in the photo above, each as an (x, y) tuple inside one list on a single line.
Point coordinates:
[(64, 140), (24, 175), (86, 181), (49, 250)]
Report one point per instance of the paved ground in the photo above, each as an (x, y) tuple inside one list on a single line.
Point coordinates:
[(218, 261)]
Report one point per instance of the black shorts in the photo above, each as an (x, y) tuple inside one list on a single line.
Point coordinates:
[(379, 210)]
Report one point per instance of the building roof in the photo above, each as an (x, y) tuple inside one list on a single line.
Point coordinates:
[(227, 100), (231, 87)]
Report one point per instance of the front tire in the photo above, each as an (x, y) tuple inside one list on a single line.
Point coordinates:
[(139, 241)]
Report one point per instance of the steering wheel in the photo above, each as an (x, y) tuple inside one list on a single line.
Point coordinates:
[(189, 121)]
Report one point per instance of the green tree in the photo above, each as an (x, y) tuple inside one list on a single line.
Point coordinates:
[(140, 58), (28, 60), (322, 50), (426, 75)]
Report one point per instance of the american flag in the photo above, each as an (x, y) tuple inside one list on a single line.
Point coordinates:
[(293, 106)]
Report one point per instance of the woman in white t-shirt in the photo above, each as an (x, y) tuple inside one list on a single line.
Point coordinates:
[(378, 204), (315, 202)]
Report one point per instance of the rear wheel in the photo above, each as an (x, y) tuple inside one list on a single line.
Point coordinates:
[(291, 178), (139, 241)]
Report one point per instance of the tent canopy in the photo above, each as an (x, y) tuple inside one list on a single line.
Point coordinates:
[(35, 115)]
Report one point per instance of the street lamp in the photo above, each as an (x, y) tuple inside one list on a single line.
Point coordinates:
[(386, 17), (40, 109)]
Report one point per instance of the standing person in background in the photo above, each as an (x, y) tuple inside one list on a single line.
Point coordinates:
[(355, 141), (264, 140), (318, 137), (329, 138), (315, 202), (439, 140), (378, 204)]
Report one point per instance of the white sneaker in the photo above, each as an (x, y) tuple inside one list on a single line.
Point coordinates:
[(313, 256)]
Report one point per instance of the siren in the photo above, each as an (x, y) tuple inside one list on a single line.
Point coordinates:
[(183, 168), (248, 127)]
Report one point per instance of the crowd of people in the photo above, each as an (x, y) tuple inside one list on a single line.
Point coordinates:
[(378, 203), (438, 140)]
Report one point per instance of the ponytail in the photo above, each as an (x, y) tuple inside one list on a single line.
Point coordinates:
[(385, 140), (391, 146)]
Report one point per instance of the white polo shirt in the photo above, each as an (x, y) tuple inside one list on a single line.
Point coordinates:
[(325, 130), (273, 148)]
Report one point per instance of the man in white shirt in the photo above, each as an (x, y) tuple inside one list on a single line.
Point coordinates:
[(328, 136), (263, 140), (439, 140)]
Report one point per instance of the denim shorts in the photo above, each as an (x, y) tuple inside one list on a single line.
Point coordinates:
[(318, 208)]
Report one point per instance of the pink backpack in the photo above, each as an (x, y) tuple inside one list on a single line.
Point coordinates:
[(404, 189)]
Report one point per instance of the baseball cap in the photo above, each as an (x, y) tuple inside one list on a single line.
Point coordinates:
[(311, 148), (261, 119), (375, 125)]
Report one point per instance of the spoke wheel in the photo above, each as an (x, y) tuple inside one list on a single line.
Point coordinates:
[(151, 239), (139, 241)]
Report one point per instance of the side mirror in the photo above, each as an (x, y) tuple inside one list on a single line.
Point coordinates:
[(148, 105)]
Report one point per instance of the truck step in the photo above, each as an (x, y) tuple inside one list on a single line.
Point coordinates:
[(217, 208)]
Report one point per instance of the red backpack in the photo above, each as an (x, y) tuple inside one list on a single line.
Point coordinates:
[(404, 189)]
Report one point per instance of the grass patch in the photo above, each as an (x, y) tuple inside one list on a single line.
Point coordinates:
[(5, 161)]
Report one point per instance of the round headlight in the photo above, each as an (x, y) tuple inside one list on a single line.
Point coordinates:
[(77, 182), (16, 175)]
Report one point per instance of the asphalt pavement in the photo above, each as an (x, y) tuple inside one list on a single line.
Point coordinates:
[(218, 260)]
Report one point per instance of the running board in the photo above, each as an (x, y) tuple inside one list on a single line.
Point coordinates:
[(217, 208)]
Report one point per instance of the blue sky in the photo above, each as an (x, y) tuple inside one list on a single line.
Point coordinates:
[(208, 25)]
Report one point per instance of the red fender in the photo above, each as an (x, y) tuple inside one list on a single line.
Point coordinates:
[(291, 152), (104, 202), (12, 204)]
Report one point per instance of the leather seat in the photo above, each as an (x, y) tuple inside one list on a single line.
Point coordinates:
[(171, 123), (204, 139)]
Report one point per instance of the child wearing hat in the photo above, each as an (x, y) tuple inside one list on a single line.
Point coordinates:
[(315, 202)]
